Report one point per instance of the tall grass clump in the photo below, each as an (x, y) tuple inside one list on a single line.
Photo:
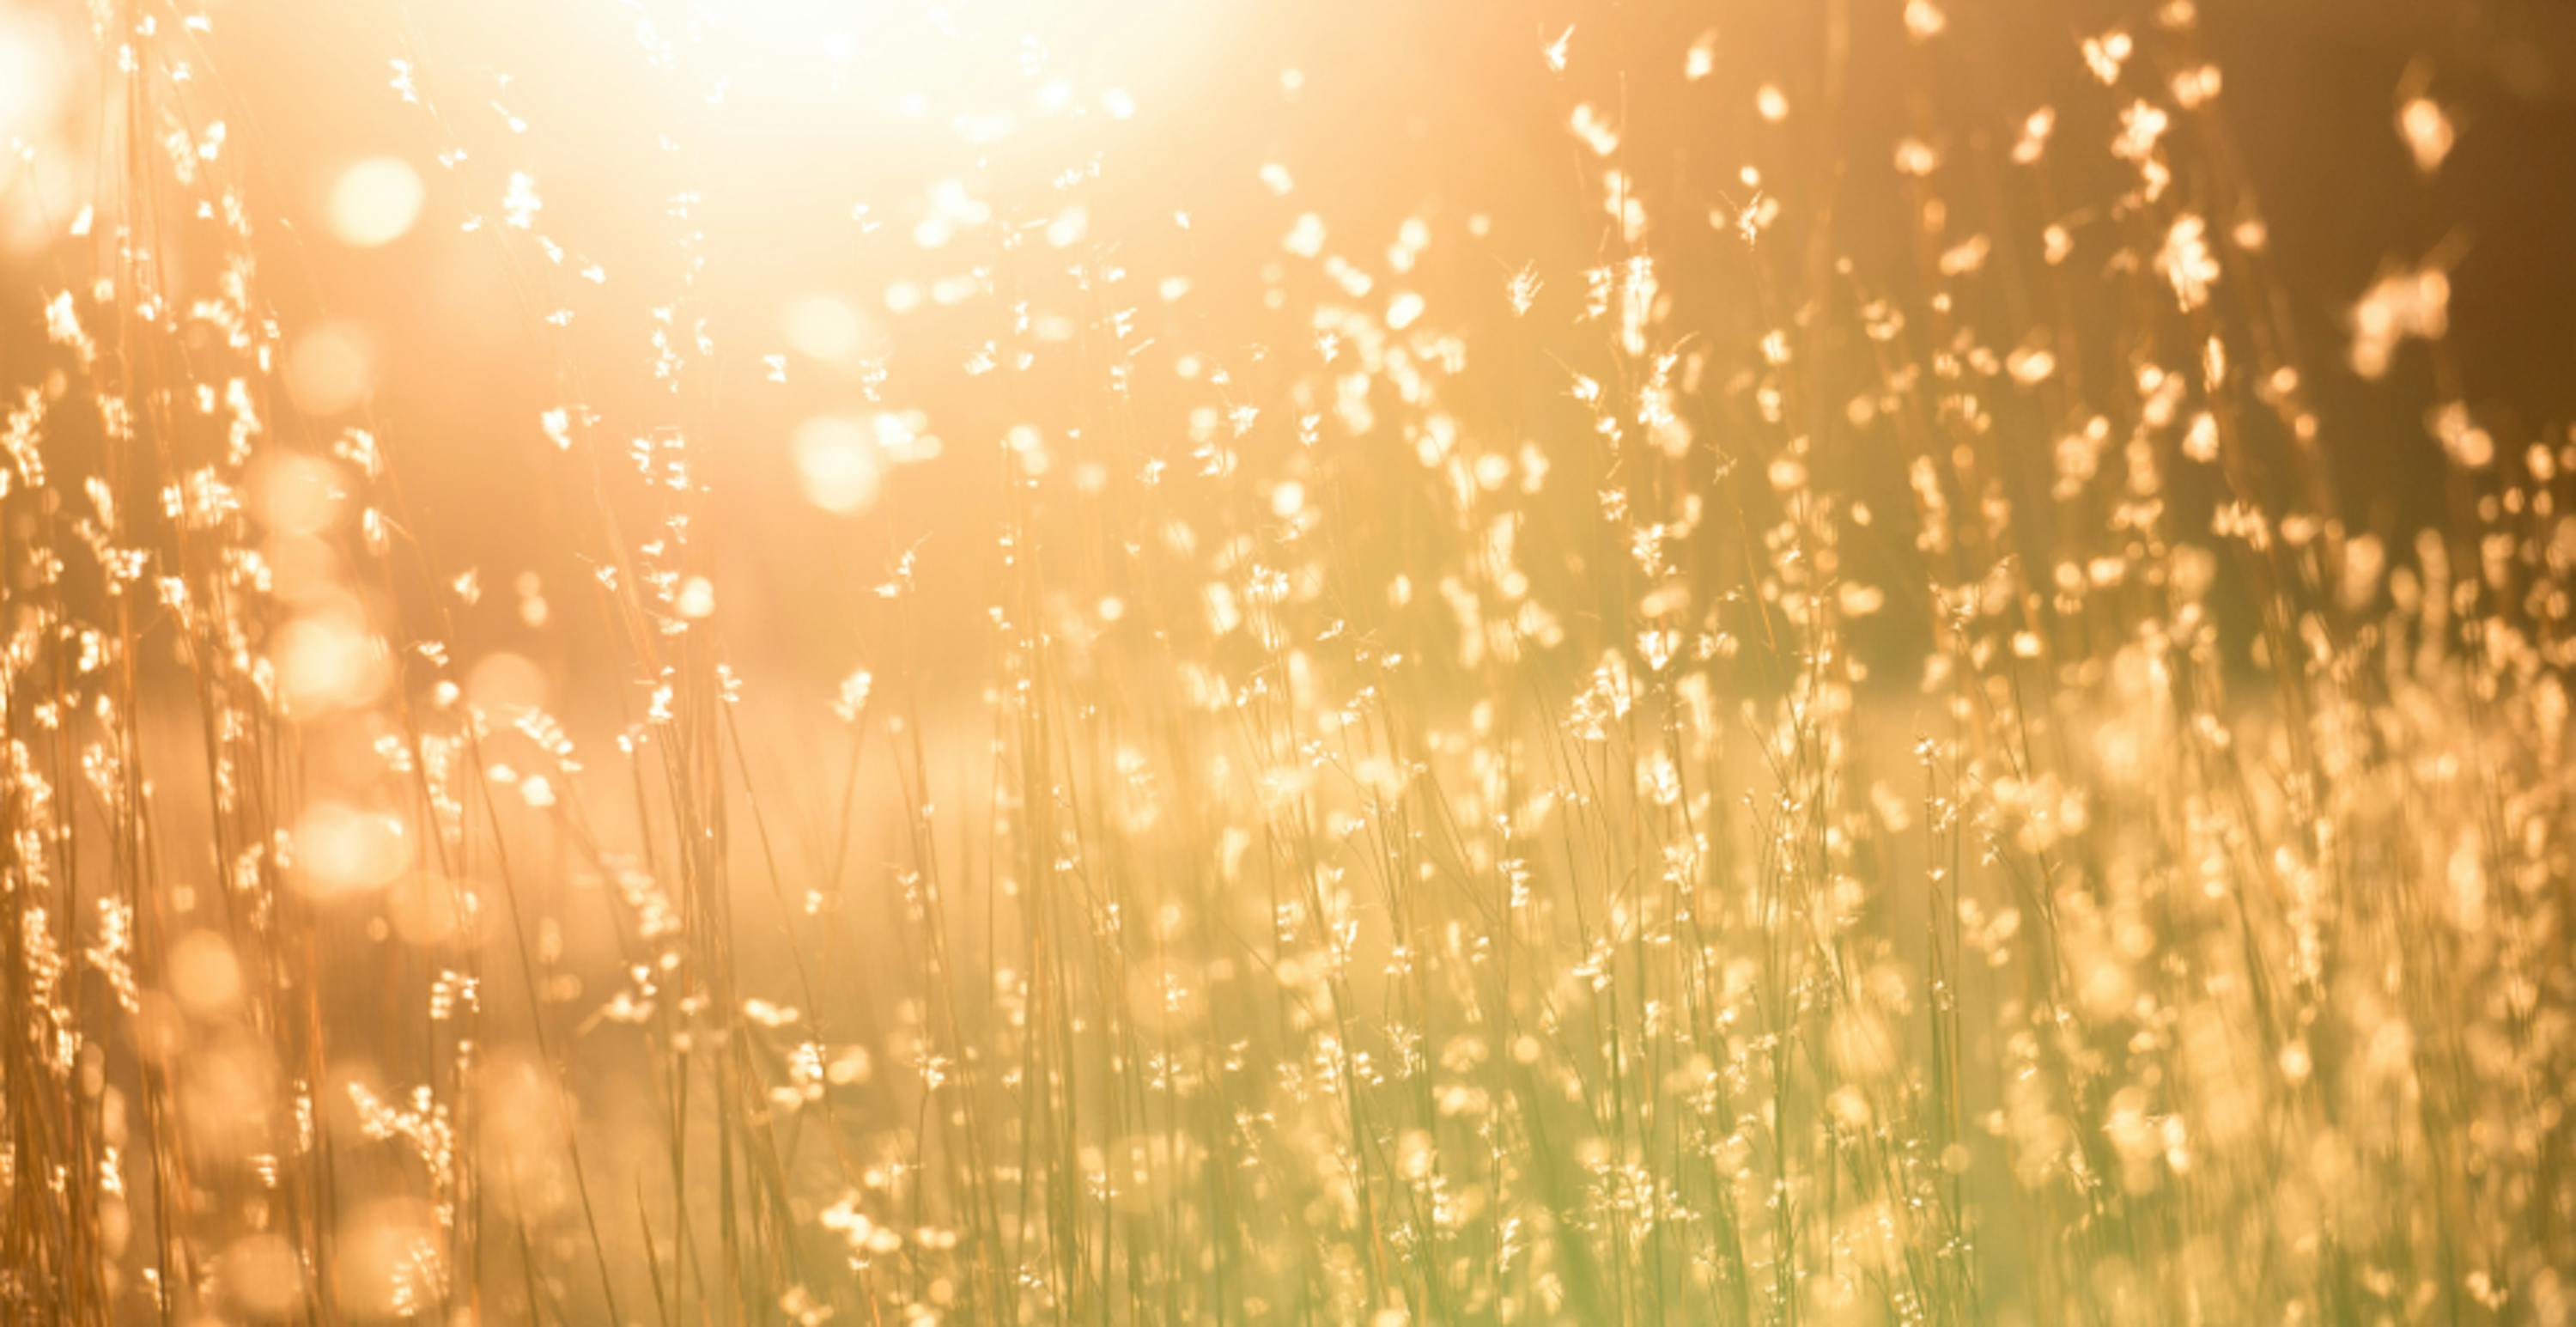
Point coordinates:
[(1776, 701)]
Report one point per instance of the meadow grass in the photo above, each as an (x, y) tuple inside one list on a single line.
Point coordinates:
[(1923, 795)]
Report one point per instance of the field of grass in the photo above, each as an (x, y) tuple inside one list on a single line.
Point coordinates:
[(1061, 663)]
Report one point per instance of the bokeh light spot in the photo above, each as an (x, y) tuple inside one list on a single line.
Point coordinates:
[(375, 201), (837, 463)]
